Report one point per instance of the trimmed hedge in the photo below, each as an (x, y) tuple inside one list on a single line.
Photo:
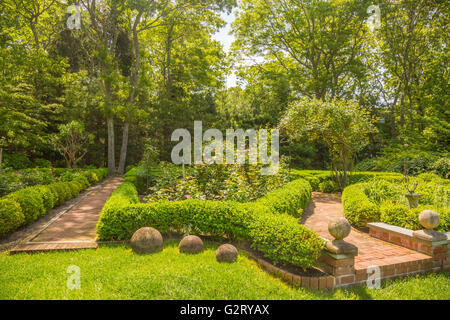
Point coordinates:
[(323, 181), (290, 198), (28, 204), (11, 216), (358, 208), (279, 236)]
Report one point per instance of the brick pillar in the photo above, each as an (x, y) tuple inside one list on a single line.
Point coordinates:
[(432, 242), (435, 244), (339, 256), (339, 260)]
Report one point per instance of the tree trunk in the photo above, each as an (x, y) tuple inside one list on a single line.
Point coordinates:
[(111, 157), (123, 149)]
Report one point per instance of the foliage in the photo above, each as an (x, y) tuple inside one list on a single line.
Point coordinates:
[(11, 216), (16, 161), (383, 199), (358, 208), (442, 167), (71, 142), (233, 182), (31, 202), (342, 125)]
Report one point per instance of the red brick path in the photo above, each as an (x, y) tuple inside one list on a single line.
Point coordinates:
[(76, 228), (371, 251)]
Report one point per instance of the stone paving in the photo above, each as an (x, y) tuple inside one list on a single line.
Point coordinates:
[(76, 228), (371, 251)]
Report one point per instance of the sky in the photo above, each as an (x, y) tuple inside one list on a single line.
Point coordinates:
[(226, 40)]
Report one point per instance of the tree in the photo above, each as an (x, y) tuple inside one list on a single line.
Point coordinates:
[(319, 44), (71, 142), (342, 125)]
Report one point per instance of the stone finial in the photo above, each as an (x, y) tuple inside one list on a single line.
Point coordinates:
[(339, 228), (429, 219)]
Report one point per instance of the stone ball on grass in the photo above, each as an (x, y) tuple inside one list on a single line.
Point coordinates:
[(191, 244), (226, 253), (146, 240)]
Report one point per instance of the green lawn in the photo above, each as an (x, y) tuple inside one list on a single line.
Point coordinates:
[(115, 272)]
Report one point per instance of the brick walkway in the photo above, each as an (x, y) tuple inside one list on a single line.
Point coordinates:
[(74, 229), (371, 251)]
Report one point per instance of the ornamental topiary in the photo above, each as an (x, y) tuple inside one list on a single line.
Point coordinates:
[(11, 216)]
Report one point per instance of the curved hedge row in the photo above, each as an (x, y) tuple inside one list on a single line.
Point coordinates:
[(279, 236), (291, 198), (358, 208), (28, 204)]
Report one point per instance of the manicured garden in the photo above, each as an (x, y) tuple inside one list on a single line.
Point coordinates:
[(115, 272)]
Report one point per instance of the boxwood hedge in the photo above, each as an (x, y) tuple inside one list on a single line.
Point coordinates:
[(268, 223)]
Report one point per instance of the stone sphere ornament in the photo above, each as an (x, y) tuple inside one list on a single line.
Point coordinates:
[(226, 253), (429, 219), (146, 240), (191, 244), (339, 228)]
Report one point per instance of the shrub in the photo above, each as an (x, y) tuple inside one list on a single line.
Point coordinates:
[(399, 215), (62, 191), (42, 163), (83, 181), (30, 201), (48, 197), (124, 195), (328, 186), (130, 176), (289, 198), (75, 188), (358, 208), (91, 176), (16, 161), (442, 167), (11, 216), (368, 164), (279, 236)]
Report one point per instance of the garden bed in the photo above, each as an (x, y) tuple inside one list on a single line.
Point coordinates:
[(269, 223)]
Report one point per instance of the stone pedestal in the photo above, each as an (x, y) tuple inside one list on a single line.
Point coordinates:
[(413, 199)]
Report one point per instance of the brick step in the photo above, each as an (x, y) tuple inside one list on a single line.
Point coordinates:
[(53, 246), (397, 267)]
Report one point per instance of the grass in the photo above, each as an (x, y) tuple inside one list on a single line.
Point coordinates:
[(115, 272)]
